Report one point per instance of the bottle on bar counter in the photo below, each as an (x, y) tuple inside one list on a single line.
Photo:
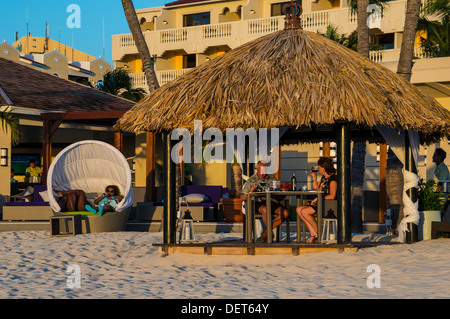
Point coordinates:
[(294, 181)]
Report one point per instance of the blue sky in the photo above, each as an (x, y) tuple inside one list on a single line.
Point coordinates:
[(88, 38)]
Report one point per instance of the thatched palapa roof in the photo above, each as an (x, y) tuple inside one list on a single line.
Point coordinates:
[(291, 78)]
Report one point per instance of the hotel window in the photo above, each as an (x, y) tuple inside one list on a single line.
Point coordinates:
[(191, 20), (189, 61), (277, 8)]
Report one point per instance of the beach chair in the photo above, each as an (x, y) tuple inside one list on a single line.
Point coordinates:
[(91, 166)]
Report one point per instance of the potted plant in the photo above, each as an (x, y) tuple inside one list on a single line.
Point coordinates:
[(430, 205)]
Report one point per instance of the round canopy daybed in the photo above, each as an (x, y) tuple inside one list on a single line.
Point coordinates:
[(90, 166)]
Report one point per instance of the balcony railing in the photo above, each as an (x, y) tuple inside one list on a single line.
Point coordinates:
[(139, 80), (233, 34), (394, 54)]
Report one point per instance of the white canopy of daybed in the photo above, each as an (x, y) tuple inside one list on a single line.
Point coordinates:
[(90, 166)]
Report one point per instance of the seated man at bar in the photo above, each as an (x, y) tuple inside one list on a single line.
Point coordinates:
[(327, 184), (257, 182)]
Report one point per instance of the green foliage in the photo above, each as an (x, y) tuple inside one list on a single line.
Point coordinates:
[(428, 199), (437, 41), (8, 120), (353, 4), (118, 82), (332, 33)]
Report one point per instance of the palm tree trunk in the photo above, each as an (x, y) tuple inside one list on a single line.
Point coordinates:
[(236, 182), (409, 36), (148, 66), (394, 187), (394, 174), (363, 28), (359, 148)]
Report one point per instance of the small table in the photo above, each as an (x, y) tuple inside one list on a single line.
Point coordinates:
[(75, 225), (250, 236)]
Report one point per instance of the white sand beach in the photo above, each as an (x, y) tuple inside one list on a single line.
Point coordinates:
[(127, 265)]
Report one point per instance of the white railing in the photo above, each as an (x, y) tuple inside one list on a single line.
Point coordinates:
[(376, 56), (315, 19), (264, 26), (421, 53), (140, 81), (216, 31), (174, 36), (198, 38), (393, 55), (166, 76), (127, 41)]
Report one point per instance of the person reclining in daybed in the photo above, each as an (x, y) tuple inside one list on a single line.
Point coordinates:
[(75, 200)]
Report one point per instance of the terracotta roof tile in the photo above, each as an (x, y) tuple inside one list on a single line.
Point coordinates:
[(174, 3)]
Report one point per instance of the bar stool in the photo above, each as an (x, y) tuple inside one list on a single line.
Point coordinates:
[(329, 233)]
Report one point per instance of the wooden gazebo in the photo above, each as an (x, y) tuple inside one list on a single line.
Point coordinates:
[(292, 78), (30, 91)]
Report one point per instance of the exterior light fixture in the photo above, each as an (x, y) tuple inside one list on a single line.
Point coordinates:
[(4, 157), (252, 11), (165, 22)]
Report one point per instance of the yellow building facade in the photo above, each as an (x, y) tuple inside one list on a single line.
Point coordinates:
[(55, 58), (184, 34)]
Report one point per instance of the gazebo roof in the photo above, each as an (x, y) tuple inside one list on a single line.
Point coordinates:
[(22, 86), (290, 78)]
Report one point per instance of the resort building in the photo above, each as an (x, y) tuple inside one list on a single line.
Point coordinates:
[(55, 58), (184, 34)]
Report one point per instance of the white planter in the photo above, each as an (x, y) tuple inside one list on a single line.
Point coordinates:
[(426, 217)]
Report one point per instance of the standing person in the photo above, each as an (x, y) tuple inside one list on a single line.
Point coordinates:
[(33, 170), (13, 173), (327, 184), (257, 182), (441, 172)]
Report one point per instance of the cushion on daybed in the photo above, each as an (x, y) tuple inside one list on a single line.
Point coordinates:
[(195, 198)]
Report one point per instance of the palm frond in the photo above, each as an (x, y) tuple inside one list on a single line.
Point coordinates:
[(8, 120)]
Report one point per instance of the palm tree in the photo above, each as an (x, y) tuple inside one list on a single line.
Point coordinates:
[(118, 82), (332, 33), (409, 35), (437, 41), (363, 28), (9, 121), (394, 176), (148, 66), (440, 8)]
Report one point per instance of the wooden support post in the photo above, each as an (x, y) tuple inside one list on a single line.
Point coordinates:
[(150, 195), (383, 193), (344, 184), (410, 165), (277, 161), (49, 128), (170, 213), (326, 149), (118, 140)]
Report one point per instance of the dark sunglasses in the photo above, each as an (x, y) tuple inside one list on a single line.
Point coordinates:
[(110, 191)]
